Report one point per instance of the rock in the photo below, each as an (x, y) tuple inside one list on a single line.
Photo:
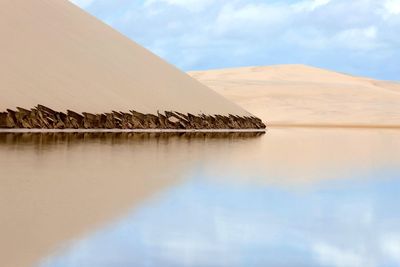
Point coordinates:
[(22, 116), (257, 122), (222, 122), (152, 122), (117, 120), (103, 120), (183, 120), (61, 121), (75, 119), (195, 121), (234, 122), (144, 121), (252, 123), (90, 121), (109, 121), (138, 120), (3, 120), (171, 117), (43, 117), (47, 116), (35, 120), (174, 121), (165, 123), (66, 120), (126, 121), (12, 121)]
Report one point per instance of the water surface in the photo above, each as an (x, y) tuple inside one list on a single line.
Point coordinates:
[(291, 197)]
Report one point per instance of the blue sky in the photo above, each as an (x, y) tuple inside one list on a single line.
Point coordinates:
[(360, 37)]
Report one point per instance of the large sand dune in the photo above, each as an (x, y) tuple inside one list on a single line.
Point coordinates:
[(54, 54), (301, 95)]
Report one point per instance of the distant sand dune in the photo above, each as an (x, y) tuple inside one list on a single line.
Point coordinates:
[(298, 95)]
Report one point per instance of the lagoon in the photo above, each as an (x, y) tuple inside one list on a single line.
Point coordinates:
[(290, 197)]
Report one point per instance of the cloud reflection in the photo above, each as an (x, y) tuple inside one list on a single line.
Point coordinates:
[(215, 223)]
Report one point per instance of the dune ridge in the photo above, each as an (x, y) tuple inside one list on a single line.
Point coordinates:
[(305, 96)]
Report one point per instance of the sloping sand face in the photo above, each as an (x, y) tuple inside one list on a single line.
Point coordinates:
[(301, 95), (56, 55)]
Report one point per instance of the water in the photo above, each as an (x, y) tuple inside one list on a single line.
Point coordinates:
[(291, 197)]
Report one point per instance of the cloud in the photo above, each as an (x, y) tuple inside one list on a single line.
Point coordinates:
[(359, 37), (310, 5), (392, 6), (391, 247), (328, 255), (249, 19), (192, 5)]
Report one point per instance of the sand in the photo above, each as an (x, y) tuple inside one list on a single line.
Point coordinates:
[(298, 95), (54, 54)]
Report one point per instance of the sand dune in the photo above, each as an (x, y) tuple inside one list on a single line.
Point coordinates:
[(54, 54), (308, 96)]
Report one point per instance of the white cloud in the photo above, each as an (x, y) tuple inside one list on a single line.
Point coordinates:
[(391, 247), (249, 18), (310, 5), (358, 38), (328, 255), (392, 7), (192, 5)]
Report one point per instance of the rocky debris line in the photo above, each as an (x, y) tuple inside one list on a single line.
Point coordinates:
[(42, 117)]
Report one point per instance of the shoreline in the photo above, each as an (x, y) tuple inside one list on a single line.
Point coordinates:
[(132, 130), (334, 126)]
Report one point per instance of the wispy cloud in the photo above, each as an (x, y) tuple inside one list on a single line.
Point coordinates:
[(328, 255)]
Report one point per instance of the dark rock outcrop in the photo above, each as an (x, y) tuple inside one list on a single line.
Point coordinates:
[(42, 117), (3, 120)]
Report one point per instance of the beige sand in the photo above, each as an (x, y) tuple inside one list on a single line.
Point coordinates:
[(54, 54), (303, 95)]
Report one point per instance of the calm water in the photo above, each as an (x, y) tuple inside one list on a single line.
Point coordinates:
[(291, 197)]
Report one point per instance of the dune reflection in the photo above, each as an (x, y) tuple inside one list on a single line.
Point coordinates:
[(57, 187), (297, 156), (54, 187)]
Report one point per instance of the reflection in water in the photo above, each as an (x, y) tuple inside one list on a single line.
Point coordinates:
[(52, 139), (292, 197), (55, 187), (200, 223)]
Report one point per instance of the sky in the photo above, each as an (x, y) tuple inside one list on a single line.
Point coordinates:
[(359, 37)]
